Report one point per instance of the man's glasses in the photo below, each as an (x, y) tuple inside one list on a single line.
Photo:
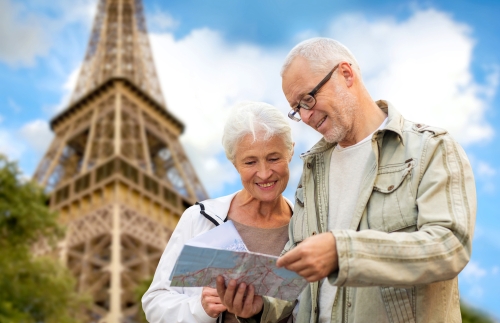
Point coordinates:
[(308, 101)]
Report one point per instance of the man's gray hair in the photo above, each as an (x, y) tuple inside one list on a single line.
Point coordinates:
[(322, 54), (254, 118)]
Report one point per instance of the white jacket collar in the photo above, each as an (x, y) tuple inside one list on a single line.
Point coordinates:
[(219, 207)]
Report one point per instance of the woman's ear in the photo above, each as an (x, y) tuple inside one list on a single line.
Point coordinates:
[(291, 153)]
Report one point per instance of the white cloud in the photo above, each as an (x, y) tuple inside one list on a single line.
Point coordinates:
[(423, 66), (473, 272), (485, 170), (161, 21), (202, 76), (67, 90), (485, 175), (28, 29), (21, 34), (10, 145), (37, 135)]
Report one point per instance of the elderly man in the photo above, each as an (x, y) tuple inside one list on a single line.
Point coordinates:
[(385, 208)]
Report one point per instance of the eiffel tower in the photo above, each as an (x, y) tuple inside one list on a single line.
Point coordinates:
[(117, 173)]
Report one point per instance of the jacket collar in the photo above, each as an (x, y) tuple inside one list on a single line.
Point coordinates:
[(394, 123), (219, 207), (395, 120)]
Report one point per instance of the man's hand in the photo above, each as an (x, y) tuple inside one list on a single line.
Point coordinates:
[(211, 302), (314, 258), (235, 300)]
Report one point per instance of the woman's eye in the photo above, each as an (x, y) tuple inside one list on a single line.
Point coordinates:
[(274, 159), (249, 163)]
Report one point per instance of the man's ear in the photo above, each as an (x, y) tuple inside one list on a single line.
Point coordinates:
[(347, 73)]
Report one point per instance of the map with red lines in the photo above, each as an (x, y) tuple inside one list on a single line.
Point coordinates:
[(198, 267)]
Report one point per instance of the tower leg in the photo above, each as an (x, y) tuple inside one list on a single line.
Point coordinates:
[(115, 291)]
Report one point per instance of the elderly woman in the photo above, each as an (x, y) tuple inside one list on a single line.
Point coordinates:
[(257, 140)]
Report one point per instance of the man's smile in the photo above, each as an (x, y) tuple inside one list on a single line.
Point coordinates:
[(320, 122)]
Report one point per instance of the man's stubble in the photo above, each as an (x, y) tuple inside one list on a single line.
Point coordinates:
[(343, 122)]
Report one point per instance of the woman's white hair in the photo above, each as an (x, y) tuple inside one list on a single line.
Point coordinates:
[(322, 54), (257, 119)]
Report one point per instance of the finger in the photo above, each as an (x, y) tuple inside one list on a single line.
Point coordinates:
[(211, 291), (238, 298), (248, 306), (299, 266), (207, 291), (289, 258), (229, 296), (221, 287), (217, 308), (212, 300), (311, 275)]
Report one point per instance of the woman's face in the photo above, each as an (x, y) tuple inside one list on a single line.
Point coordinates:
[(263, 166)]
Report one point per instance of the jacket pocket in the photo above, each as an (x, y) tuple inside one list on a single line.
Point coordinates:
[(399, 304), (392, 206)]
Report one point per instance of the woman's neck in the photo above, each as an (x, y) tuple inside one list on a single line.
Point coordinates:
[(248, 210)]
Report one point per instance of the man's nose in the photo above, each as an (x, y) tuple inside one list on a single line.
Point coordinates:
[(305, 115)]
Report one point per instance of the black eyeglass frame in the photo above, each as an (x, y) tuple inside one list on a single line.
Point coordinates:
[(311, 94)]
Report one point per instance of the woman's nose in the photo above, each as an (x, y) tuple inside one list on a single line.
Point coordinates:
[(264, 171)]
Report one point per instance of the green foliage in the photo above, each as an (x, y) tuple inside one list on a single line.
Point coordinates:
[(24, 217), (138, 292), (32, 289), (472, 315)]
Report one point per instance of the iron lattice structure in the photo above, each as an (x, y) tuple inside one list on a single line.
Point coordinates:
[(117, 173)]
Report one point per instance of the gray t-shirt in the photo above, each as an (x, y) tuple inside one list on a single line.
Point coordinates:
[(266, 241), (346, 170)]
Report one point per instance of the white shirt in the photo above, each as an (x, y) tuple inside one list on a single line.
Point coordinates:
[(346, 171)]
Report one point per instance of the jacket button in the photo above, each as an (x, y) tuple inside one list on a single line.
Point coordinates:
[(308, 165), (300, 186), (390, 187), (314, 233), (349, 304)]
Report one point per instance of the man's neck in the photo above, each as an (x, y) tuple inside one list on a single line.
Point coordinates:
[(368, 118)]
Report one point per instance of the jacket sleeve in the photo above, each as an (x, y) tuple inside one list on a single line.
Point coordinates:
[(440, 247), (165, 304), (274, 310)]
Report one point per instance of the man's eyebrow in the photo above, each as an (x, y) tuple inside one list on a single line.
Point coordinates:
[(296, 102)]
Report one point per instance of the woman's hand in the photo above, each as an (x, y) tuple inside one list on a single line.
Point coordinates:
[(233, 297), (211, 302)]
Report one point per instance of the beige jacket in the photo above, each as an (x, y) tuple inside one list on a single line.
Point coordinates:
[(411, 232)]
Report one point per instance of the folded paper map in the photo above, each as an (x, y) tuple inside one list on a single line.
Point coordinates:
[(221, 251)]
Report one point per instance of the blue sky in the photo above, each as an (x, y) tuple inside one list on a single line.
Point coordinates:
[(437, 61)]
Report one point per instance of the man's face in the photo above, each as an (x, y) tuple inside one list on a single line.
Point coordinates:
[(333, 114)]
